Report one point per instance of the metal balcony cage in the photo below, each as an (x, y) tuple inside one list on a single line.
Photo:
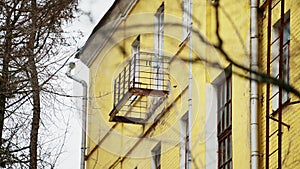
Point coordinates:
[(140, 88)]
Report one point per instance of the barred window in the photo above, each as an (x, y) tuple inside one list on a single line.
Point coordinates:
[(284, 65), (159, 46)]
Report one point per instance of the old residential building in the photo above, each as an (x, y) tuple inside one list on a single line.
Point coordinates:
[(170, 85)]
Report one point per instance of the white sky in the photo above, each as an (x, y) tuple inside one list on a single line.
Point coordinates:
[(97, 8), (71, 156)]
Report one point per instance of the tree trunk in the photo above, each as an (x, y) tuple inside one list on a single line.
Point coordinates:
[(4, 80), (35, 90), (36, 114), (3, 96)]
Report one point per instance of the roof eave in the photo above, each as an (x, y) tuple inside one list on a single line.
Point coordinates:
[(104, 30)]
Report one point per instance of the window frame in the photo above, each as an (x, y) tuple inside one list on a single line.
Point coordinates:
[(158, 47), (186, 18), (135, 52), (285, 60), (156, 156), (184, 142), (224, 120)]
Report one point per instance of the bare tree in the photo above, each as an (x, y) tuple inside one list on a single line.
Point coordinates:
[(31, 39)]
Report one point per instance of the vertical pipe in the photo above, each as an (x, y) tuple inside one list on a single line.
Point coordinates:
[(190, 113), (253, 84), (84, 120), (84, 113)]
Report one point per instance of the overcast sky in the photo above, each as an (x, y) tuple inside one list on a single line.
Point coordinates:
[(71, 156), (97, 8)]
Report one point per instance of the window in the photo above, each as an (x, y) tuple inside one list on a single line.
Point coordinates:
[(135, 51), (184, 143), (276, 47), (135, 68), (224, 128), (159, 46), (186, 17), (156, 156)]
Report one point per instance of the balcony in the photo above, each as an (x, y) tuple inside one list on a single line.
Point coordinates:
[(140, 88)]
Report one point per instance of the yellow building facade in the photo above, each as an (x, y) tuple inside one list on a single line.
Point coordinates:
[(279, 141), (170, 86)]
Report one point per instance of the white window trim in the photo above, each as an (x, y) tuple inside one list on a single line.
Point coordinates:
[(212, 143), (211, 127)]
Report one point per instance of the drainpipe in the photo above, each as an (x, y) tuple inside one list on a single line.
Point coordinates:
[(190, 100), (253, 83), (84, 112)]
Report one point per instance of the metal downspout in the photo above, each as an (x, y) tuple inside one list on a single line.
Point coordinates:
[(84, 112), (190, 99), (253, 83)]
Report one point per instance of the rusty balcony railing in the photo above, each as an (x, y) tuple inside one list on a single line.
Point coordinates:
[(145, 75)]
